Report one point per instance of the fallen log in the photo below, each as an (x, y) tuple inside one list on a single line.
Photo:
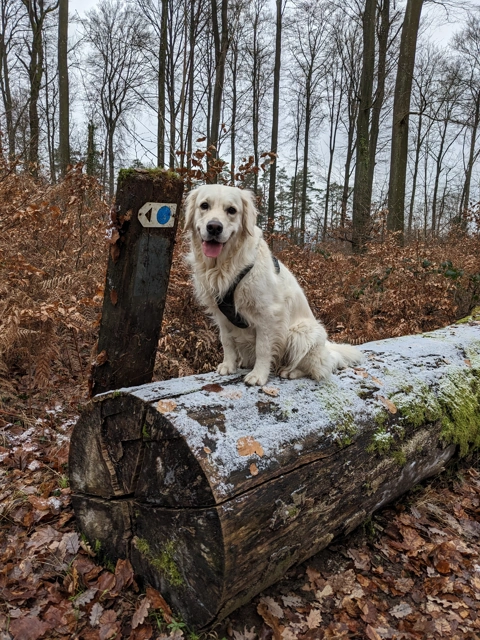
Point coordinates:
[(214, 489)]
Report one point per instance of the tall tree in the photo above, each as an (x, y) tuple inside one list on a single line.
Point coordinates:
[(280, 6), (117, 35), (63, 88), (221, 39), (401, 115), (37, 11)]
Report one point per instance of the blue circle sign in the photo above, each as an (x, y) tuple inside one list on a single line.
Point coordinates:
[(163, 215)]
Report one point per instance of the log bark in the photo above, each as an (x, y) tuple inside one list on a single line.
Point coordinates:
[(137, 280), (214, 489)]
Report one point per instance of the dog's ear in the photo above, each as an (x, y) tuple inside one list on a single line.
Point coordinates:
[(190, 202), (249, 212)]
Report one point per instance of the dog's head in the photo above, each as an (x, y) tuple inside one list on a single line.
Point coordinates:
[(217, 215)]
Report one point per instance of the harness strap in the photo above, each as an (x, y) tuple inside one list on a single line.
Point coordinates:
[(227, 303)]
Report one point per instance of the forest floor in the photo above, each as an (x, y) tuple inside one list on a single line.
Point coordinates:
[(412, 571)]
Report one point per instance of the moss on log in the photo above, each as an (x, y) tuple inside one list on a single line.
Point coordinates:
[(214, 489)]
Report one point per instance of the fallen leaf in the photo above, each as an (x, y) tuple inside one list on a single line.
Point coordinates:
[(270, 391), (468, 362), (377, 381), (123, 575), (371, 633), (235, 394), (113, 297), (85, 597), (401, 610), (96, 614), (165, 406), (254, 469), (28, 628), (245, 634), (270, 620), (141, 613), (388, 404), (247, 446), (314, 619), (101, 358), (213, 388), (158, 602), (207, 450), (274, 608)]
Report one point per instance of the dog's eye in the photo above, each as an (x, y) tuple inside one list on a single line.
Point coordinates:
[(204, 206), (231, 210)]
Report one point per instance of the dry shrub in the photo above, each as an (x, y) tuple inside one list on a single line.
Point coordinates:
[(52, 268)]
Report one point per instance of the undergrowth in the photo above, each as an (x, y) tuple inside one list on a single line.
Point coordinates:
[(53, 255)]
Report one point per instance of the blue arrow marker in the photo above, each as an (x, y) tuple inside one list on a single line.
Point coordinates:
[(163, 215)]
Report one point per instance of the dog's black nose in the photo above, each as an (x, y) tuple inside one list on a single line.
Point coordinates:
[(214, 228)]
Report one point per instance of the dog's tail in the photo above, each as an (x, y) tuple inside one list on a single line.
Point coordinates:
[(343, 355)]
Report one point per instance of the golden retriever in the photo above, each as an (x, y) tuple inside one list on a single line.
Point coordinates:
[(263, 315)]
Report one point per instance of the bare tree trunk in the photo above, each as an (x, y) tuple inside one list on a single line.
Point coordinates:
[(418, 147), (438, 171), (50, 117), (91, 149), (191, 87), (334, 120), (352, 116), (401, 113), (468, 172), (308, 116), (111, 162), (221, 48), (162, 63), (233, 123), (362, 193), (5, 82), (380, 92), (63, 88), (275, 115)]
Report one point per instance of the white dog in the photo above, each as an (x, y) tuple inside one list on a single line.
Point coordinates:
[(264, 318)]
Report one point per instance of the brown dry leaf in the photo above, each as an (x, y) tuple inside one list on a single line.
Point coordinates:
[(401, 610), (361, 372), (113, 297), (270, 391), (207, 449), (273, 606), (388, 404), (213, 388), (141, 613), (247, 446), (158, 602), (377, 381), (101, 358), (468, 362), (123, 575), (165, 406), (96, 614), (28, 628), (314, 619), (371, 633), (253, 469), (270, 620)]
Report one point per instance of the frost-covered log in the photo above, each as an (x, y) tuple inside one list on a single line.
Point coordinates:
[(214, 489)]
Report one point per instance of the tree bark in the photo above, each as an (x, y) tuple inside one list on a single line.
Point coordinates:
[(362, 196), (213, 489), (401, 115), (63, 89), (221, 48), (275, 115), (162, 63)]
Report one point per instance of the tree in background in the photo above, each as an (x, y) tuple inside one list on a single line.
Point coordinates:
[(401, 116), (63, 88), (116, 35)]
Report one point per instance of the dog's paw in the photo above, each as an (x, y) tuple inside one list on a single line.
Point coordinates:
[(292, 375), (225, 369), (254, 377)]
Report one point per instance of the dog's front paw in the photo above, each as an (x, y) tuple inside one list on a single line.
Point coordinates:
[(224, 369), (256, 377)]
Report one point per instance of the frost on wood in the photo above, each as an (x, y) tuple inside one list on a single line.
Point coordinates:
[(213, 489)]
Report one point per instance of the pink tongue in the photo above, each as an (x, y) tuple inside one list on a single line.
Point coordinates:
[(212, 249)]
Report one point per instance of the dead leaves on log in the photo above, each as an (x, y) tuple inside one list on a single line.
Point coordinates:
[(166, 406), (247, 446)]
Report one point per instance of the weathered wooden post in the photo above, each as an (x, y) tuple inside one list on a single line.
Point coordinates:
[(145, 222), (213, 489)]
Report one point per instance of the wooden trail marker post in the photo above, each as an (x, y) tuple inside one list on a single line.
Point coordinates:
[(146, 217), (213, 489)]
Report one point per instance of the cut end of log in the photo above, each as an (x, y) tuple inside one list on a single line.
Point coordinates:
[(214, 489)]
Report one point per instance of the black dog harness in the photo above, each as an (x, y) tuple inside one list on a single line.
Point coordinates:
[(227, 304)]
